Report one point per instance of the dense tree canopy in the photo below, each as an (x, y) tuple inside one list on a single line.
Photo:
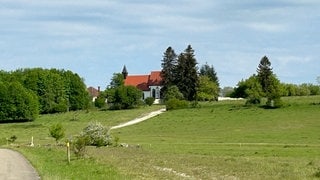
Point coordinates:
[(117, 80), (207, 89), (117, 95), (17, 103), (123, 97), (209, 71), (182, 72), (54, 91)]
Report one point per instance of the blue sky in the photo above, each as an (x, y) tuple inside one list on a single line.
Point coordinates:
[(95, 38)]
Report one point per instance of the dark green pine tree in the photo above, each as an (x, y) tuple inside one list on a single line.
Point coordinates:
[(187, 76), (168, 65), (264, 73), (209, 71), (269, 83)]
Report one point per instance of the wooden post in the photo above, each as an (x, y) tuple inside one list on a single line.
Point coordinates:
[(31, 144), (68, 152)]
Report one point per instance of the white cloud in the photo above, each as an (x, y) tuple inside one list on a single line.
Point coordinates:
[(232, 35), (267, 27), (290, 60), (60, 28)]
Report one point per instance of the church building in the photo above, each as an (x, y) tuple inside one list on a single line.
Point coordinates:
[(149, 84)]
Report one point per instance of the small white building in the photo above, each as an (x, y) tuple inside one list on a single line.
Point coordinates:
[(93, 92), (150, 84)]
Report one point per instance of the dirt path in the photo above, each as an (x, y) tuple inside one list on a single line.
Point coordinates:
[(138, 120), (13, 166)]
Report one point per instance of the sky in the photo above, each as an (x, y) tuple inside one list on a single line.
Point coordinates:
[(96, 38)]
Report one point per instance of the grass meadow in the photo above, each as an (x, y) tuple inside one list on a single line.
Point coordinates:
[(218, 140)]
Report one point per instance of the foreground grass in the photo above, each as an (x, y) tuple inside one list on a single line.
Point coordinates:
[(51, 160), (220, 140), (51, 163), (73, 122), (228, 140)]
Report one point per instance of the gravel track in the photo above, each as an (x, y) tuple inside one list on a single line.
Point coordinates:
[(140, 119), (13, 166)]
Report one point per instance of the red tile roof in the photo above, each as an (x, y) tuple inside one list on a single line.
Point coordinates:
[(155, 78), (93, 91), (139, 81), (144, 81)]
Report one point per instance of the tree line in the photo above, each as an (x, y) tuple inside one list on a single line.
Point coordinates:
[(180, 75), (26, 93), (253, 89), (286, 89), (181, 79), (118, 96), (266, 84)]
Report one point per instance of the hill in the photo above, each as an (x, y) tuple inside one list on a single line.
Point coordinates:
[(219, 140)]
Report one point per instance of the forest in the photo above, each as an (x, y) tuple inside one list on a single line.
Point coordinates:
[(26, 93)]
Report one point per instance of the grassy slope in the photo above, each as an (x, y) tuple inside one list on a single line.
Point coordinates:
[(228, 140), (221, 140), (49, 159)]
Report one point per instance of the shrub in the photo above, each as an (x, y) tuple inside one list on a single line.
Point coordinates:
[(57, 131), (149, 101), (13, 138), (79, 146), (253, 100), (124, 97), (172, 104), (96, 134), (173, 93), (100, 102)]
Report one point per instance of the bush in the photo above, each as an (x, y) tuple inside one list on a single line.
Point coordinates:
[(57, 131), (173, 93), (13, 138), (124, 97), (149, 101), (172, 104), (100, 102), (253, 100), (79, 146), (96, 134)]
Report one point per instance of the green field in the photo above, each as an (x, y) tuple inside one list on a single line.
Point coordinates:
[(219, 140)]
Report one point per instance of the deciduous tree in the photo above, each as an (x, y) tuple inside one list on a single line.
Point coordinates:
[(117, 80), (207, 90), (17, 102), (124, 97)]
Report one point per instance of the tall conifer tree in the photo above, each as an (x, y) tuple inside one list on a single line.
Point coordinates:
[(187, 76), (209, 71), (168, 65), (269, 83)]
